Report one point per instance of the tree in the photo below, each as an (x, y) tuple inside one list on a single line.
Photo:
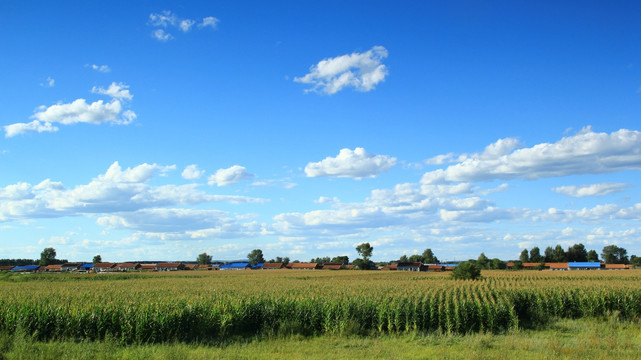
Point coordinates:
[(593, 256), (535, 255), (559, 254), (483, 261), (204, 259), (549, 254), (429, 258), (363, 264), (256, 257), (365, 250), (341, 259), (577, 253), (524, 257), (613, 254), (415, 258), (47, 256), (403, 259), (320, 260), (97, 259), (466, 271), (497, 264), (635, 260)]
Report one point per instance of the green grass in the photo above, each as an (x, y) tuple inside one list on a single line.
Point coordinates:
[(608, 338)]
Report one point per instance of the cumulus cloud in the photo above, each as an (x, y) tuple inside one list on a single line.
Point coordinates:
[(362, 71), (356, 164), (591, 190), (166, 19), (192, 172), (101, 68), (118, 91), (584, 153), (117, 190), (79, 111), (229, 176)]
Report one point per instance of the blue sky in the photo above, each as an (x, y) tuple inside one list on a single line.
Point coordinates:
[(161, 130)]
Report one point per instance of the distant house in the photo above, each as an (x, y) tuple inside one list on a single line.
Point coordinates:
[(147, 267), (236, 266), (390, 267), (6, 268), (449, 267), (86, 267), (435, 267), (350, 267), (53, 268), (104, 267), (557, 266), (532, 265), (616, 267), (170, 266), (258, 266), (191, 266), (332, 266), (273, 266), (69, 267), (304, 266), (584, 266), (128, 266), (405, 266), (27, 268)]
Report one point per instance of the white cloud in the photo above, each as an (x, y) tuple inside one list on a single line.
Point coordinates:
[(161, 35), (79, 111), (117, 190), (209, 21), (229, 176), (591, 190), (192, 172), (118, 91), (356, 164), (21, 128), (584, 153), (101, 68), (327, 200), (162, 19), (50, 82), (166, 19), (362, 71), (185, 25)]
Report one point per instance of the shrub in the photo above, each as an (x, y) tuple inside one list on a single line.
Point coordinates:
[(466, 271)]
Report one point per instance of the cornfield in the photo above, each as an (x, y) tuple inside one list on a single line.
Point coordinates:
[(204, 306)]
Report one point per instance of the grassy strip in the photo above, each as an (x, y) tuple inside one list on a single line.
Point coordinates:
[(564, 339)]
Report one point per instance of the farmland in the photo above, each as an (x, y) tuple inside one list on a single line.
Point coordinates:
[(209, 307)]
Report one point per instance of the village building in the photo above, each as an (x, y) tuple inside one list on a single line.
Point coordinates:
[(273, 266)]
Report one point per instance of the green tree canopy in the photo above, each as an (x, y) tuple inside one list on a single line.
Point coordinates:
[(429, 258), (256, 257), (559, 254), (365, 250), (549, 254), (483, 261), (577, 252), (524, 257), (613, 254), (204, 259), (97, 259), (593, 256), (535, 255), (466, 271), (341, 259), (47, 256)]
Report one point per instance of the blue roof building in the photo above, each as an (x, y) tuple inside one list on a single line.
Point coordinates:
[(236, 266), (26, 268), (584, 265)]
